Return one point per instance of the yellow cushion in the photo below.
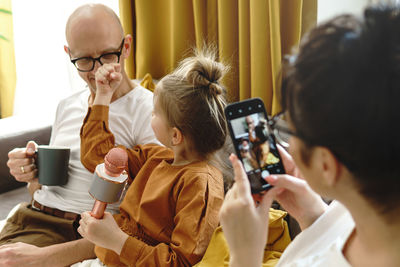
(217, 253)
(147, 82)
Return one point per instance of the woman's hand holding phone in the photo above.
(245, 225)
(245, 122)
(253, 141)
(294, 194)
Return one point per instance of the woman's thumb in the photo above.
(267, 200)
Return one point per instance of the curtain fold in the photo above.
(252, 36)
(127, 12)
(228, 38)
(7, 60)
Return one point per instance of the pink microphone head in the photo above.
(115, 162)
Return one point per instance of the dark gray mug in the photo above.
(52, 163)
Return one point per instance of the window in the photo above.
(39, 31)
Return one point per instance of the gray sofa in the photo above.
(12, 138)
(16, 132)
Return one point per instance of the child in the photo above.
(171, 208)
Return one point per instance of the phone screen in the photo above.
(254, 144)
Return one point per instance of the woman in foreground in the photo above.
(341, 97)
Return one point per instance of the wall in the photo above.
(330, 8)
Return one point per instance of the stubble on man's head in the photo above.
(86, 20)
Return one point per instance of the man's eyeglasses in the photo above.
(280, 129)
(86, 64)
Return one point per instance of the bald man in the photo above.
(47, 227)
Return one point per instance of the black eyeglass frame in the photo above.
(117, 53)
(276, 129)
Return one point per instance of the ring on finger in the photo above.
(22, 169)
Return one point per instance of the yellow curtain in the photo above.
(251, 35)
(7, 60)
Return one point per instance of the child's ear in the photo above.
(177, 136)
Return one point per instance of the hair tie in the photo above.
(216, 90)
(215, 82)
(347, 40)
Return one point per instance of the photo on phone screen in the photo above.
(254, 144)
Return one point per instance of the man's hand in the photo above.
(108, 78)
(104, 232)
(63, 254)
(21, 254)
(21, 162)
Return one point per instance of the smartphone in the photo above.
(254, 142)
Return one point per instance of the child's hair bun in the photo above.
(193, 100)
(205, 73)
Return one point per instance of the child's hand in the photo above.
(104, 232)
(108, 78)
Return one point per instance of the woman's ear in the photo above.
(331, 169)
(177, 137)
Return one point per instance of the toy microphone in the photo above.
(109, 181)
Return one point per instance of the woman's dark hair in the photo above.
(342, 92)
